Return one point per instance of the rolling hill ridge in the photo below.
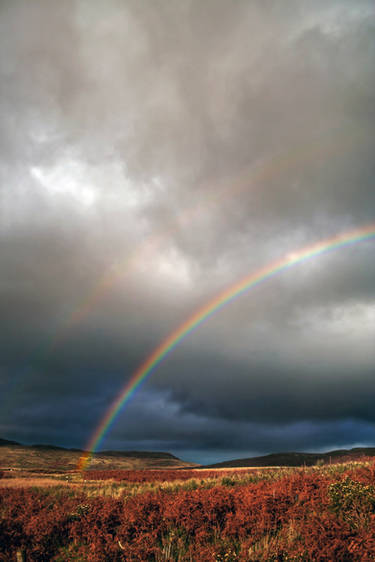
(297, 458)
(14, 455)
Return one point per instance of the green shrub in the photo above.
(352, 501)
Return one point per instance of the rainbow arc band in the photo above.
(213, 196)
(204, 313)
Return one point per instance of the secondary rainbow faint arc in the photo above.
(205, 312)
(217, 193)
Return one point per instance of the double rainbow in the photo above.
(204, 313)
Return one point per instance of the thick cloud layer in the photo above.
(153, 153)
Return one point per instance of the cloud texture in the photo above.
(153, 153)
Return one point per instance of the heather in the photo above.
(321, 513)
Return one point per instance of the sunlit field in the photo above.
(317, 513)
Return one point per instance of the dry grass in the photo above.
(116, 489)
(32, 482)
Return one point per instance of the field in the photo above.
(315, 513)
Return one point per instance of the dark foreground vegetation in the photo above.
(320, 513)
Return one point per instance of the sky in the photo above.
(152, 154)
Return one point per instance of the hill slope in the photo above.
(297, 459)
(50, 458)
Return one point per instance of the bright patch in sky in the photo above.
(66, 179)
(349, 319)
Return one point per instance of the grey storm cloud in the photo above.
(154, 153)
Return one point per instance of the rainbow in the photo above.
(211, 195)
(204, 313)
(214, 195)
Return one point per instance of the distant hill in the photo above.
(7, 443)
(297, 459)
(51, 448)
(51, 458)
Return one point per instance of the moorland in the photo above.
(155, 512)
